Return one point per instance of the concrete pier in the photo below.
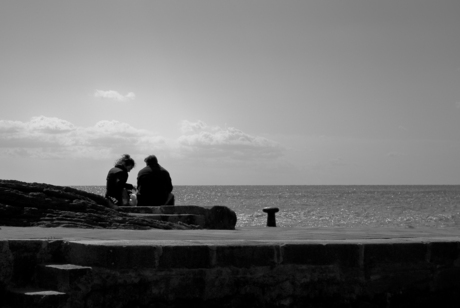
(250, 267)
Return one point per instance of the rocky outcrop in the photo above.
(35, 204)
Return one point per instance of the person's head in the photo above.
(151, 160)
(126, 161)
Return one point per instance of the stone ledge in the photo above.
(271, 273)
(215, 217)
(170, 254)
(189, 219)
(35, 298)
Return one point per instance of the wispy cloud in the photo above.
(194, 127)
(200, 139)
(53, 138)
(114, 95)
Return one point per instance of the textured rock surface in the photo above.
(36, 204)
(215, 217)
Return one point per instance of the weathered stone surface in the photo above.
(251, 274)
(189, 219)
(221, 217)
(6, 264)
(243, 256)
(255, 275)
(60, 277)
(319, 254)
(215, 217)
(36, 298)
(35, 204)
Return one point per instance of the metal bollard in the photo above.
(271, 219)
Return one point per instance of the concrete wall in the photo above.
(247, 274)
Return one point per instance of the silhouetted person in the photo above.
(117, 178)
(154, 185)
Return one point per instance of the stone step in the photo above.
(37, 298)
(189, 219)
(215, 216)
(166, 209)
(60, 277)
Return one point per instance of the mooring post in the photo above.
(271, 219)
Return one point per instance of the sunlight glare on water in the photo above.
(330, 206)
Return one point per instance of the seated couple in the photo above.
(154, 185)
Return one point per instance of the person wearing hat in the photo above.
(154, 185)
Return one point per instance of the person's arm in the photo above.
(120, 181)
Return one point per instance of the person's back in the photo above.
(116, 180)
(154, 185)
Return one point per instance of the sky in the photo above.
(318, 92)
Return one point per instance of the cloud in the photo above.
(45, 137)
(52, 138)
(10, 127)
(50, 125)
(457, 104)
(200, 139)
(38, 131)
(190, 127)
(114, 95)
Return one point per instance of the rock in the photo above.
(221, 217)
(214, 217)
(35, 204)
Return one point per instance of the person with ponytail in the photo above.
(116, 181)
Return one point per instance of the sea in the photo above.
(351, 206)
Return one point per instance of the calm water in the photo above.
(330, 206)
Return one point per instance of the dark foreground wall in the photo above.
(235, 274)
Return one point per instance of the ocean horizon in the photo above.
(406, 206)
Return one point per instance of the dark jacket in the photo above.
(116, 181)
(153, 186)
